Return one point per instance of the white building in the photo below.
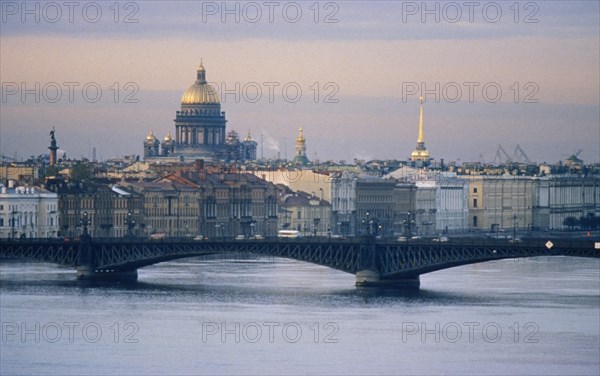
(572, 196)
(452, 205)
(424, 217)
(29, 212)
(442, 200)
(343, 203)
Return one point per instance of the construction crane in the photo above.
(519, 154)
(502, 156)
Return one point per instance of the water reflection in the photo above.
(174, 302)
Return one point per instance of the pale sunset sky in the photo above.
(492, 73)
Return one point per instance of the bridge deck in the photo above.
(387, 260)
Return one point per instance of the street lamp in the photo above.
(366, 223)
(370, 225)
(85, 222)
(408, 222)
(130, 222)
(12, 223)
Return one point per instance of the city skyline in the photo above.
(360, 77)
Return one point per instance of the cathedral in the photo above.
(199, 130)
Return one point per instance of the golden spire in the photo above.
(300, 136)
(420, 153)
(421, 138)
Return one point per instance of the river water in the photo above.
(538, 316)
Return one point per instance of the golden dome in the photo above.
(168, 136)
(150, 136)
(200, 92)
(300, 136)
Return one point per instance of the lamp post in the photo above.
(130, 222)
(408, 222)
(368, 223)
(12, 223)
(85, 222)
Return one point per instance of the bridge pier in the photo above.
(86, 273)
(367, 278)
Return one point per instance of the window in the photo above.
(474, 189)
(474, 202)
(475, 221)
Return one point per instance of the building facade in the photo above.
(375, 206)
(215, 205)
(28, 212)
(452, 206)
(422, 222)
(501, 202)
(572, 196)
(343, 203)
(304, 212)
(169, 208)
(105, 211)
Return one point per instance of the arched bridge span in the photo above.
(374, 262)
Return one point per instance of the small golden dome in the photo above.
(300, 137)
(150, 136)
(200, 92)
(168, 137)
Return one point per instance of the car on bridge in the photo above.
(158, 236)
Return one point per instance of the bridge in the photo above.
(372, 261)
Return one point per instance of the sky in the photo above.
(349, 73)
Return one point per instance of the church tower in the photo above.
(420, 155)
(151, 145)
(249, 148)
(300, 157)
